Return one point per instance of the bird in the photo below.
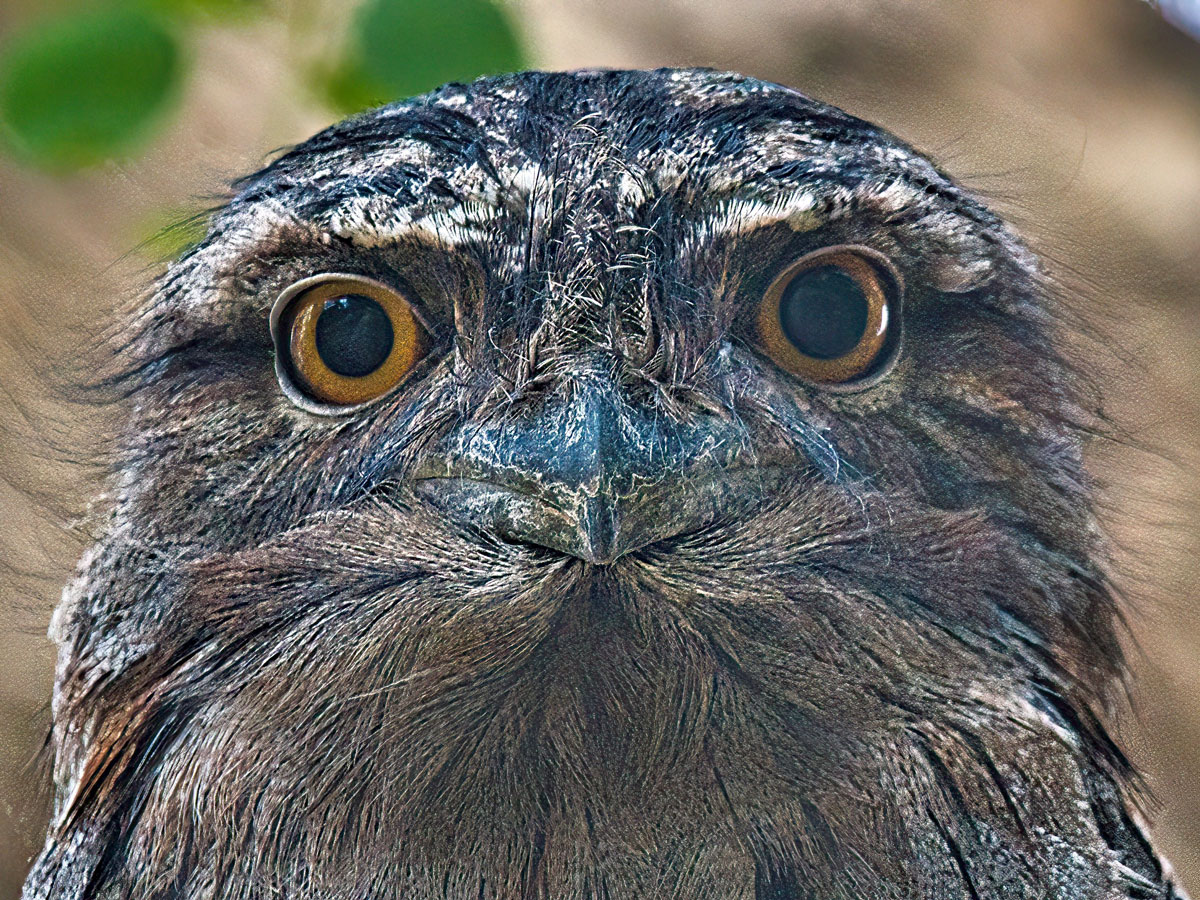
(598, 484)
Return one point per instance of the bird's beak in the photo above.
(582, 472)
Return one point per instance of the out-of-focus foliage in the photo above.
(93, 83)
(398, 49)
(76, 90)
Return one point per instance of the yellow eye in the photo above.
(344, 340)
(832, 317)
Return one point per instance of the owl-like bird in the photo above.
(597, 485)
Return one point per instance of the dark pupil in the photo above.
(823, 312)
(354, 335)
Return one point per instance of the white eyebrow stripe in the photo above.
(741, 215)
(364, 221)
(375, 222)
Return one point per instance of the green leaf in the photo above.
(79, 89)
(403, 47)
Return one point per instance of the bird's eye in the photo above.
(832, 317)
(344, 340)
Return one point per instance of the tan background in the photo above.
(1080, 119)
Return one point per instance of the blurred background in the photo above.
(1078, 119)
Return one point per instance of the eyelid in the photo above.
(279, 310)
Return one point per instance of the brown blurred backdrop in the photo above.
(1080, 119)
